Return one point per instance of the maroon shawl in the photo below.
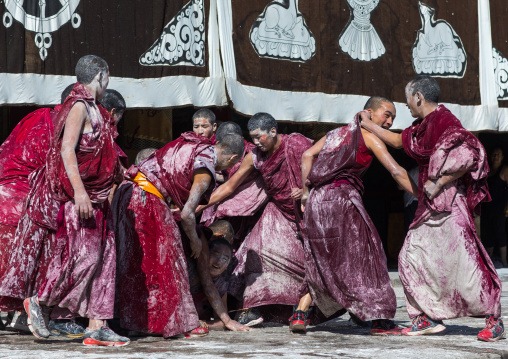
(22, 153)
(171, 168)
(339, 162)
(97, 163)
(420, 142)
(282, 171)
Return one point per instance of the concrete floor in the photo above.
(337, 338)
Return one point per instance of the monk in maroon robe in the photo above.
(70, 197)
(345, 261)
(153, 285)
(242, 208)
(444, 268)
(24, 152)
(270, 266)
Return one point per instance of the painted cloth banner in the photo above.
(499, 14)
(160, 47)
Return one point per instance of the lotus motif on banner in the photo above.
(438, 50)
(501, 74)
(42, 17)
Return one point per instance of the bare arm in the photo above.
(307, 161)
(432, 188)
(399, 174)
(211, 291)
(74, 125)
(229, 187)
(392, 139)
(200, 182)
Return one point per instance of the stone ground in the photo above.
(336, 338)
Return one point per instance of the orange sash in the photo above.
(146, 186)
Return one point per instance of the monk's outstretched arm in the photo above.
(225, 190)
(74, 125)
(307, 161)
(211, 292)
(398, 173)
(200, 182)
(392, 139)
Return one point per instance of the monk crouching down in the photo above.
(345, 262)
(152, 281)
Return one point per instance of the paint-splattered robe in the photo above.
(153, 294)
(270, 266)
(445, 271)
(345, 261)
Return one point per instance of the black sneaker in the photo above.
(357, 321)
(35, 320)
(385, 327)
(18, 321)
(250, 317)
(66, 328)
(104, 336)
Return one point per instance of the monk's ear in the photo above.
(273, 132)
(214, 127)
(419, 97)
(99, 78)
(112, 112)
(234, 158)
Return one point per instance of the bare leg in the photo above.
(94, 324)
(305, 302)
(502, 253)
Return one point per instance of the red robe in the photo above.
(242, 207)
(271, 259)
(72, 280)
(345, 261)
(444, 268)
(153, 292)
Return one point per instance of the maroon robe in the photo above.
(153, 292)
(242, 207)
(345, 261)
(444, 268)
(21, 153)
(50, 217)
(271, 259)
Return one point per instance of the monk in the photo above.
(345, 262)
(271, 259)
(243, 207)
(153, 284)
(204, 123)
(70, 197)
(444, 268)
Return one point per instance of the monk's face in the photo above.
(384, 115)
(220, 256)
(413, 102)
(497, 157)
(202, 126)
(264, 140)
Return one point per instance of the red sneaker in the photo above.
(422, 324)
(297, 322)
(493, 331)
(197, 332)
(384, 327)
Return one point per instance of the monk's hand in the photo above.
(431, 188)
(200, 208)
(195, 244)
(365, 119)
(296, 193)
(234, 326)
(83, 205)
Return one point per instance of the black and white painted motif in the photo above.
(182, 41)
(501, 74)
(280, 32)
(359, 39)
(42, 17)
(438, 50)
